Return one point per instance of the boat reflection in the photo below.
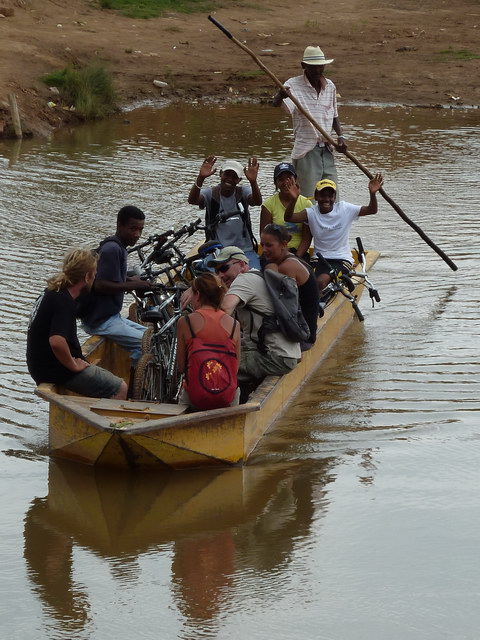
(214, 524)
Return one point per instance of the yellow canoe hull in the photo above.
(135, 434)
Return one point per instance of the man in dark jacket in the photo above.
(103, 316)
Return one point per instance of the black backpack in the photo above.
(288, 317)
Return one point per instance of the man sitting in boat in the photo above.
(249, 299)
(330, 222)
(102, 315)
(226, 205)
(53, 351)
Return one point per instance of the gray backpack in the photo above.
(288, 317)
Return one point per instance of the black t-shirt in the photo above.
(112, 265)
(52, 315)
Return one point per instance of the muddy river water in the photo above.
(358, 516)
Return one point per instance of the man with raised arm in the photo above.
(227, 204)
(312, 156)
(102, 317)
(330, 221)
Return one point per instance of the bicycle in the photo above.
(163, 249)
(156, 377)
(344, 282)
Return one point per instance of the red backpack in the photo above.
(211, 379)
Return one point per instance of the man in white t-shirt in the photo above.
(249, 299)
(330, 222)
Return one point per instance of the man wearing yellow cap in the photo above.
(312, 156)
(330, 222)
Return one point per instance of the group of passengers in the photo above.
(289, 220)
(92, 285)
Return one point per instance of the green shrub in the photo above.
(459, 54)
(89, 89)
(155, 8)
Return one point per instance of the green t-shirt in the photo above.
(276, 208)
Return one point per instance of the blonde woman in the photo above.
(53, 350)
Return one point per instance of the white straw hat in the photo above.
(314, 55)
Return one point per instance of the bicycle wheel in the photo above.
(134, 313)
(148, 379)
(147, 340)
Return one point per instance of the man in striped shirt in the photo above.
(312, 156)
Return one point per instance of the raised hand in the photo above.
(375, 183)
(251, 171)
(293, 190)
(207, 169)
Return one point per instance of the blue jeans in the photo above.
(123, 331)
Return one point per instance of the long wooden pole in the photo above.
(327, 137)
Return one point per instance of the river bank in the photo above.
(385, 51)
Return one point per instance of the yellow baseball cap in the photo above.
(325, 184)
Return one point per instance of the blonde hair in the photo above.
(76, 264)
(210, 289)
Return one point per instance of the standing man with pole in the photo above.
(312, 155)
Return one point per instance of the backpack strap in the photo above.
(190, 326)
(233, 329)
(245, 214)
(211, 213)
(113, 238)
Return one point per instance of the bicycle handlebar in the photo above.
(186, 229)
(324, 263)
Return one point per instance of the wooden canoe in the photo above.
(145, 434)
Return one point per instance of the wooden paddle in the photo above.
(327, 137)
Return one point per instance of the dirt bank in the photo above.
(385, 51)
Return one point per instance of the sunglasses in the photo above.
(224, 268)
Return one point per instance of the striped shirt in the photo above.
(322, 107)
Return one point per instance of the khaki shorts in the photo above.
(254, 366)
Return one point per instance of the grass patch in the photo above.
(154, 8)
(249, 74)
(173, 28)
(252, 5)
(459, 54)
(89, 89)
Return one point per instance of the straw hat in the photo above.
(314, 55)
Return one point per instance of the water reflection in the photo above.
(216, 526)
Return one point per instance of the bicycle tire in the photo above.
(358, 313)
(133, 313)
(147, 381)
(147, 340)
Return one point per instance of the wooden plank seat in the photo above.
(130, 409)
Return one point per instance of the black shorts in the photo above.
(338, 265)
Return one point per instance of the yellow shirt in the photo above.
(275, 207)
